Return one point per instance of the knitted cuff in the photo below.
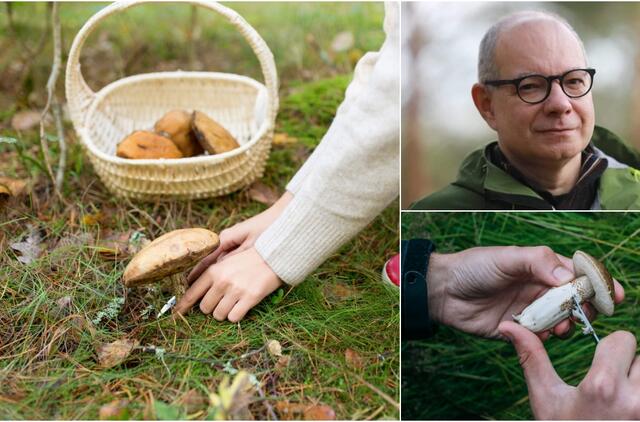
(302, 238)
(414, 266)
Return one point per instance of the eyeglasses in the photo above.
(534, 89)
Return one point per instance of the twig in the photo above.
(62, 161)
(153, 349)
(51, 84)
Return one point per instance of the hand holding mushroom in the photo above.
(476, 289)
(594, 284)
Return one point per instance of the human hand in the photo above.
(474, 290)
(241, 236)
(231, 287)
(608, 391)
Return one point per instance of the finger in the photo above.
(567, 262)
(224, 307)
(544, 335)
(545, 266)
(538, 371)
(614, 356)
(634, 372)
(206, 262)
(564, 329)
(193, 294)
(240, 309)
(618, 291)
(589, 311)
(211, 299)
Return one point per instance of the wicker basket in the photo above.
(245, 107)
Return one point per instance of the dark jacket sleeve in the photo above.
(414, 264)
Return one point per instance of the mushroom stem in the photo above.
(593, 284)
(555, 305)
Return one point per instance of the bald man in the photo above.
(534, 90)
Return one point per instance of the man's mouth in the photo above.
(556, 130)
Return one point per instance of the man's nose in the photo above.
(557, 102)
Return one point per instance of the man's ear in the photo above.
(482, 99)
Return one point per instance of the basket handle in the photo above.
(80, 96)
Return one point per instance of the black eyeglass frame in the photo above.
(516, 82)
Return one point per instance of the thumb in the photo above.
(538, 372)
(546, 266)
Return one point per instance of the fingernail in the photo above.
(562, 274)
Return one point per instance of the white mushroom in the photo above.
(593, 284)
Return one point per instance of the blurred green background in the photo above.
(310, 41)
(454, 375)
(440, 55)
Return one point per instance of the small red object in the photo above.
(391, 270)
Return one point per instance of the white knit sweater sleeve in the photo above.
(353, 174)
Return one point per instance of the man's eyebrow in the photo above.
(525, 74)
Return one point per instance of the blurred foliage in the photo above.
(170, 36)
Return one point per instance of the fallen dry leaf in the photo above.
(15, 187)
(337, 292)
(114, 411)
(284, 139)
(63, 303)
(74, 240)
(112, 354)
(274, 348)
(4, 192)
(114, 245)
(262, 193)
(25, 120)
(92, 219)
(319, 412)
(283, 362)
(353, 359)
(30, 249)
(297, 411)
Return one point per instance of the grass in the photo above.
(48, 353)
(457, 376)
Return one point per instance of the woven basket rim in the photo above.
(86, 139)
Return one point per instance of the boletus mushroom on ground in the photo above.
(169, 254)
(594, 284)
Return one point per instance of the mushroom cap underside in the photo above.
(601, 281)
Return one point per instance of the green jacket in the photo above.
(481, 185)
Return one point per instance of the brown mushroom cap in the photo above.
(600, 279)
(212, 136)
(171, 253)
(143, 144)
(176, 124)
